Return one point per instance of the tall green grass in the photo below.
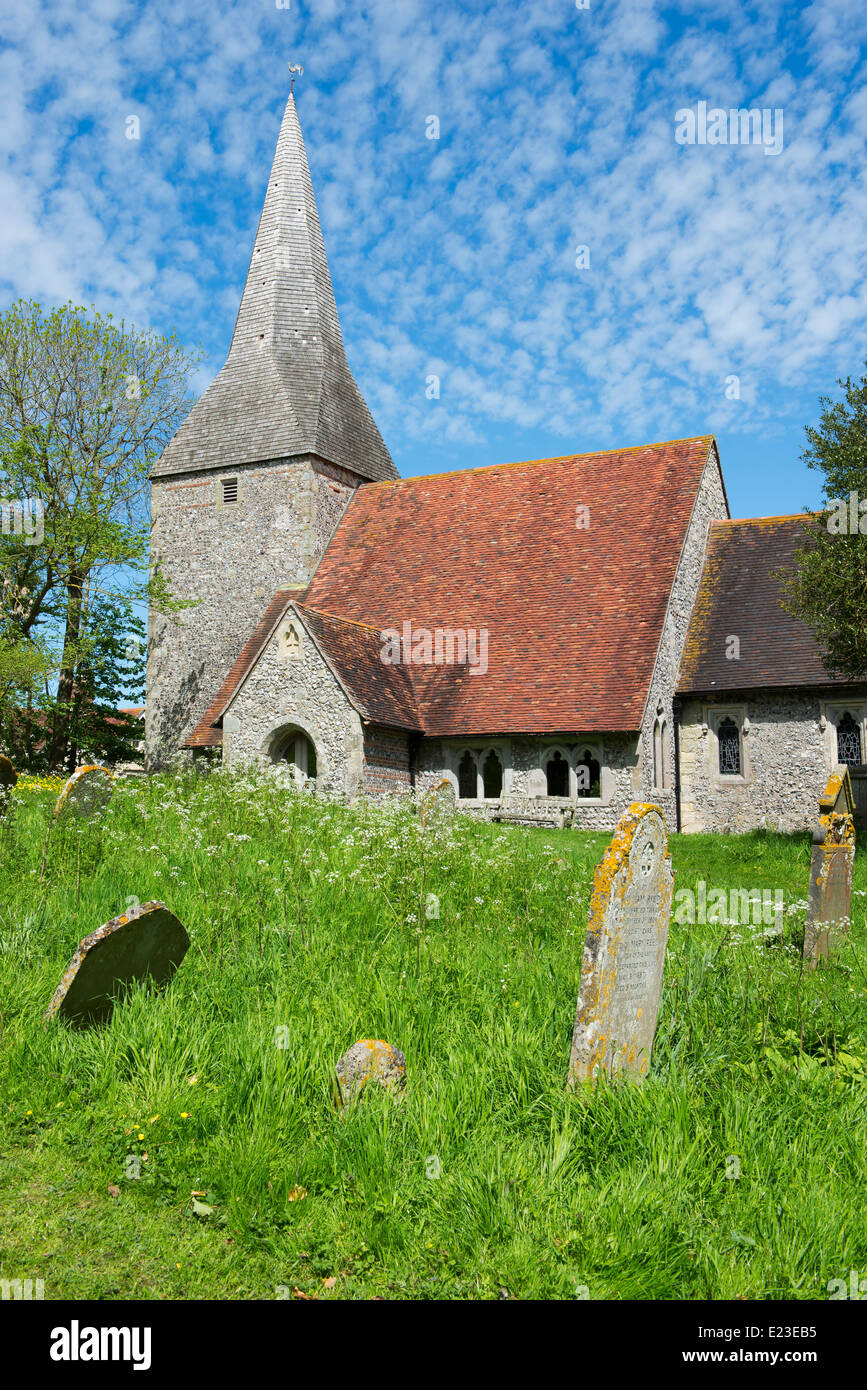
(735, 1169)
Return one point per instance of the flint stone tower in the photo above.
(249, 491)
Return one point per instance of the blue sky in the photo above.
(457, 256)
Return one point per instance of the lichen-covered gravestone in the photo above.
(148, 942)
(368, 1060)
(624, 954)
(438, 803)
(830, 897)
(88, 790)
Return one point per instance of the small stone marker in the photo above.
(624, 954)
(88, 790)
(830, 896)
(438, 802)
(147, 942)
(370, 1059)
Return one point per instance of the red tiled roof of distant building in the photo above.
(574, 616)
(740, 596)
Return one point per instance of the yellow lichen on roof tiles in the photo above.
(536, 463)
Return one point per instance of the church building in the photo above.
(555, 638)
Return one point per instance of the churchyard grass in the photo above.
(734, 1169)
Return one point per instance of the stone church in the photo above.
(556, 638)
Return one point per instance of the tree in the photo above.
(85, 408)
(828, 588)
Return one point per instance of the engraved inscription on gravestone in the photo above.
(624, 955)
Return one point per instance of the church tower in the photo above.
(248, 492)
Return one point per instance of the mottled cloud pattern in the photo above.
(573, 276)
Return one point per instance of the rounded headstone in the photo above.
(370, 1059)
(8, 775)
(438, 802)
(87, 791)
(148, 942)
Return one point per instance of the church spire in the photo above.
(286, 388)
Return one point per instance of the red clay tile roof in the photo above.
(574, 616)
(381, 693)
(205, 735)
(739, 596)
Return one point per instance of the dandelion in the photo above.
(185, 1115)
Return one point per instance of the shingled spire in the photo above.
(286, 388)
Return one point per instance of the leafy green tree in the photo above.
(828, 589)
(86, 406)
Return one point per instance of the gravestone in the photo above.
(537, 783)
(624, 954)
(370, 1059)
(438, 803)
(87, 791)
(830, 896)
(148, 942)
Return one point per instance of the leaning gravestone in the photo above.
(830, 896)
(148, 942)
(88, 790)
(438, 803)
(624, 954)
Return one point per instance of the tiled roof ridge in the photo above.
(536, 463)
(766, 520)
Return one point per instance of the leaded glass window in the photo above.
(729, 742)
(848, 740)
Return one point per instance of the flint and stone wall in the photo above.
(523, 759)
(231, 557)
(786, 759)
(286, 692)
(386, 762)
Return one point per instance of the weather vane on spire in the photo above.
(295, 70)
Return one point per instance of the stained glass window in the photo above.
(729, 742)
(848, 740)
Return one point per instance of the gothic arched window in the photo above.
(729, 742)
(467, 789)
(658, 764)
(492, 776)
(848, 740)
(557, 775)
(588, 774)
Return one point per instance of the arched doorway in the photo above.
(296, 748)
